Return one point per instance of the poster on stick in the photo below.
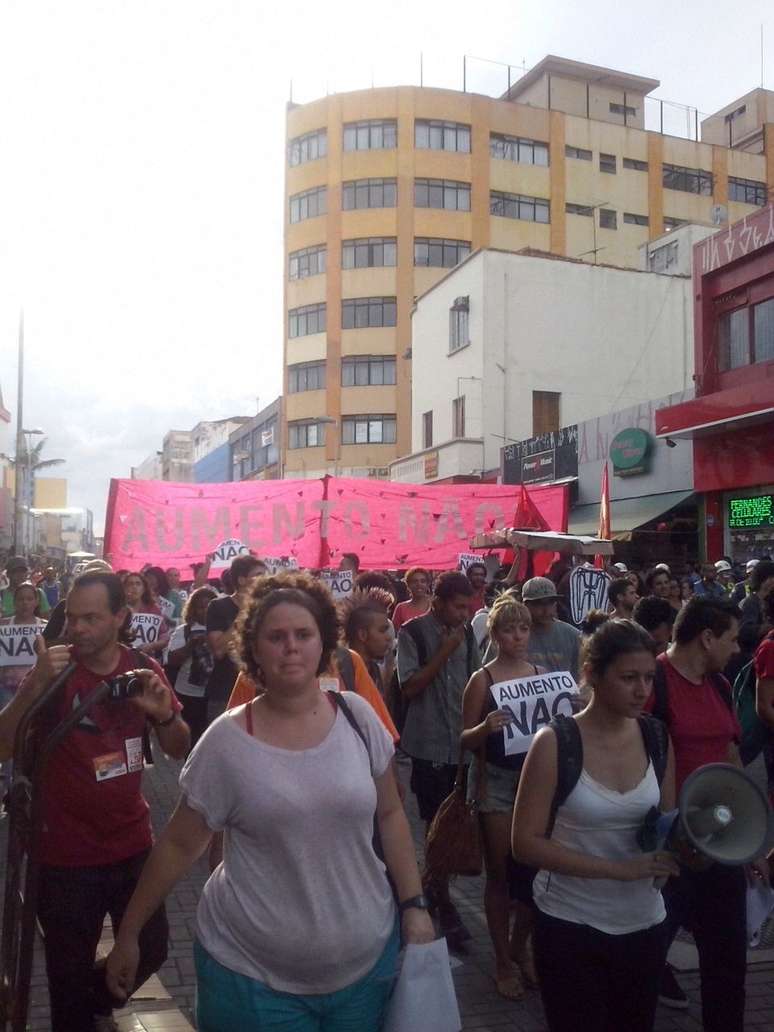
(280, 564)
(466, 559)
(340, 583)
(532, 703)
(227, 551)
(145, 628)
(17, 644)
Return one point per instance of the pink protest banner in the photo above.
(315, 521)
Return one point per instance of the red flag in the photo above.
(604, 516)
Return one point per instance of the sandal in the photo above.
(510, 986)
(526, 963)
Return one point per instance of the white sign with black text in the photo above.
(226, 551)
(281, 564)
(145, 628)
(466, 559)
(17, 644)
(533, 702)
(338, 582)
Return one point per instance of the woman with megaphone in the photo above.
(587, 785)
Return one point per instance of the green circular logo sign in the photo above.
(630, 452)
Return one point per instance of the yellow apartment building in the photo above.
(388, 188)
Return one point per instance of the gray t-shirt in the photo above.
(434, 717)
(557, 648)
(300, 903)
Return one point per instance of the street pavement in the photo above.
(482, 1009)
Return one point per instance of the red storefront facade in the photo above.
(731, 419)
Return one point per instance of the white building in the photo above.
(510, 345)
(149, 469)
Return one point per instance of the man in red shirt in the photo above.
(96, 828)
(694, 700)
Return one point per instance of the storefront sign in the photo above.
(431, 466)
(630, 452)
(538, 468)
(744, 513)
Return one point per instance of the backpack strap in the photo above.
(656, 739)
(349, 716)
(470, 644)
(346, 668)
(721, 687)
(660, 695)
(569, 763)
(418, 638)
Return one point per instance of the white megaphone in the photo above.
(722, 817)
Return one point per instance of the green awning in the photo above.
(626, 515)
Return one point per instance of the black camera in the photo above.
(125, 686)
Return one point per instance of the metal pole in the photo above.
(509, 82)
(17, 470)
(661, 106)
(696, 114)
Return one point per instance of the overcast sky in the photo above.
(142, 174)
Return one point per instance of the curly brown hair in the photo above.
(298, 589)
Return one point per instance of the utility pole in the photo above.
(18, 477)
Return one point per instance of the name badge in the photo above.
(110, 765)
(134, 754)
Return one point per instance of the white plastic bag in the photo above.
(424, 999)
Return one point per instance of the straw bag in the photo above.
(453, 844)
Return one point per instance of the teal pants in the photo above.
(227, 1001)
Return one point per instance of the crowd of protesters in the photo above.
(296, 796)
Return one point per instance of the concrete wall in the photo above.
(602, 338)
(215, 467)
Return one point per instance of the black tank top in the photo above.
(495, 744)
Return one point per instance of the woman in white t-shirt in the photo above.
(599, 937)
(298, 923)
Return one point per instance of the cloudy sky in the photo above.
(142, 171)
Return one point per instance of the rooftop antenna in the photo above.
(761, 55)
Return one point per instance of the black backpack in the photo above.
(569, 755)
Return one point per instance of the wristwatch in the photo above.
(414, 903)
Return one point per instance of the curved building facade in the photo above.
(386, 189)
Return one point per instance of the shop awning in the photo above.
(721, 412)
(626, 515)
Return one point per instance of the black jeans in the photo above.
(712, 906)
(195, 715)
(598, 982)
(72, 905)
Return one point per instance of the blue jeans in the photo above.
(227, 1001)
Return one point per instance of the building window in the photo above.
(308, 147)
(747, 191)
(607, 219)
(514, 148)
(763, 330)
(733, 330)
(365, 312)
(579, 209)
(367, 371)
(448, 136)
(369, 193)
(635, 164)
(545, 412)
(661, 259)
(690, 180)
(578, 153)
(635, 220)
(427, 429)
(622, 109)
(459, 314)
(369, 253)
(607, 163)
(368, 430)
(310, 261)
(306, 376)
(442, 193)
(305, 320)
(670, 223)
(376, 134)
(442, 254)
(514, 206)
(306, 435)
(458, 417)
(308, 204)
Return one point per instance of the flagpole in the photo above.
(604, 515)
(18, 485)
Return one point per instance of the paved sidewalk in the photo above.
(482, 1009)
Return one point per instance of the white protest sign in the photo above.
(146, 628)
(532, 702)
(338, 582)
(17, 644)
(279, 564)
(466, 559)
(226, 551)
(588, 590)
